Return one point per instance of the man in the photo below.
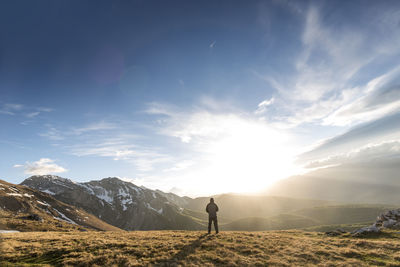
(212, 209)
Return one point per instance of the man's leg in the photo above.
(209, 224)
(216, 225)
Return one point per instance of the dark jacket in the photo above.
(212, 209)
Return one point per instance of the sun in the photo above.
(245, 157)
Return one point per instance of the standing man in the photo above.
(212, 209)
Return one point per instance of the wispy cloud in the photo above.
(212, 44)
(323, 87)
(386, 128)
(24, 110)
(110, 140)
(99, 126)
(40, 167)
(10, 108)
(262, 107)
(372, 151)
(32, 114)
(144, 158)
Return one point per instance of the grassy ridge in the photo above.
(194, 248)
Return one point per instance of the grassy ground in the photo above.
(194, 248)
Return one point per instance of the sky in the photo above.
(196, 97)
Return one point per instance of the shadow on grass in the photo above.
(189, 248)
(52, 257)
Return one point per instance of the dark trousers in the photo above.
(210, 220)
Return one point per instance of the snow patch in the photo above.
(65, 218)
(13, 189)
(124, 202)
(103, 194)
(43, 203)
(150, 207)
(14, 194)
(48, 192)
(88, 188)
(8, 231)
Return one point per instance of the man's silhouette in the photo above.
(212, 209)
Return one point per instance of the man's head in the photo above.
(211, 200)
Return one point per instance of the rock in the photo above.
(366, 230)
(34, 217)
(336, 232)
(332, 233)
(389, 223)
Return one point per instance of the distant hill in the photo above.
(343, 214)
(119, 203)
(25, 209)
(279, 222)
(332, 216)
(233, 206)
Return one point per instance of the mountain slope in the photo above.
(25, 209)
(117, 202)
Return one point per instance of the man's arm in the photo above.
(207, 208)
(217, 207)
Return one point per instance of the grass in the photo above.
(195, 248)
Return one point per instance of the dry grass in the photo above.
(194, 248)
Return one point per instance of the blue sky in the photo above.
(197, 97)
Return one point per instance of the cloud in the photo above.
(213, 44)
(179, 166)
(380, 97)
(372, 151)
(53, 134)
(262, 107)
(40, 167)
(386, 128)
(45, 109)
(10, 108)
(99, 126)
(32, 114)
(326, 84)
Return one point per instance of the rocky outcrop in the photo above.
(389, 219)
(373, 229)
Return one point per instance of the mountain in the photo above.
(25, 209)
(118, 203)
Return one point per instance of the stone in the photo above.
(389, 223)
(366, 230)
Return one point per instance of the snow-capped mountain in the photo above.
(26, 209)
(118, 203)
